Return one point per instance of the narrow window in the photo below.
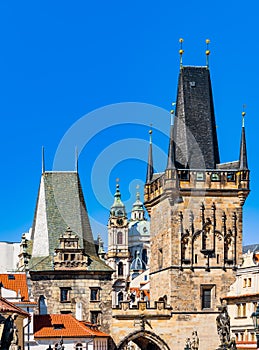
(94, 317)
(249, 282)
(195, 258)
(215, 177)
(120, 269)
(244, 310)
(119, 237)
(94, 294)
(206, 298)
(238, 310)
(200, 176)
(160, 258)
(120, 297)
(43, 310)
(65, 294)
(244, 282)
(217, 258)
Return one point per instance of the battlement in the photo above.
(198, 181)
(142, 309)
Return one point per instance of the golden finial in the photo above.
(243, 115)
(181, 51)
(207, 52)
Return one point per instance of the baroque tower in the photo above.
(118, 255)
(195, 207)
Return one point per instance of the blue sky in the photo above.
(62, 60)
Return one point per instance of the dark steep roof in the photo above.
(196, 145)
(60, 205)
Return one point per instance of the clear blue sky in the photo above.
(61, 60)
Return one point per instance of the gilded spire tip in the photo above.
(207, 52)
(181, 51)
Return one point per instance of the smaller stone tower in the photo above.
(118, 255)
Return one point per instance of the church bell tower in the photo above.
(118, 255)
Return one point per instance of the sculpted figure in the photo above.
(10, 333)
(195, 341)
(223, 326)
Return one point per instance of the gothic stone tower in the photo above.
(195, 208)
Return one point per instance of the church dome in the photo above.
(137, 263)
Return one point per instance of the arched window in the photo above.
(120, 269)
(79, 346)
(120, 297)
(43, 310)
(119, 237)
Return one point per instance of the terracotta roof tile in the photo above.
(63, 325)
(7, 307)
(16, 282)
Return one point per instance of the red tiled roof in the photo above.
(241, 296)
(63, 325)
(7, 307)
(16, 282)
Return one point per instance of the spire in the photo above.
(243, 165)
(171, 150)
(137, 212)
(42, 160)
(118, 208)
(195, 134)
(150, 169)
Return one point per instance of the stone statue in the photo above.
(60, 345)
(195, 341)
(188, 343)
(10, 333)
(223, 328)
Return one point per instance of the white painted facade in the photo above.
(242, 301)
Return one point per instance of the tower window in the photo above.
(65, 294)
(231, 176)
(94, 294)
(42, 305)
(206, 296)
(119, 237)
(160, 258)
(215, 177)
(200, 176)
(120, 269)
(94, 315)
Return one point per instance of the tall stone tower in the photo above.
(118, 255)
(195, 207)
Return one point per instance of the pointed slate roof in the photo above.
(194, 127)
(150, 168)
(60, 204)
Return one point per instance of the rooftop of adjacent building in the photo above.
(16, 282)
(63, 325)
